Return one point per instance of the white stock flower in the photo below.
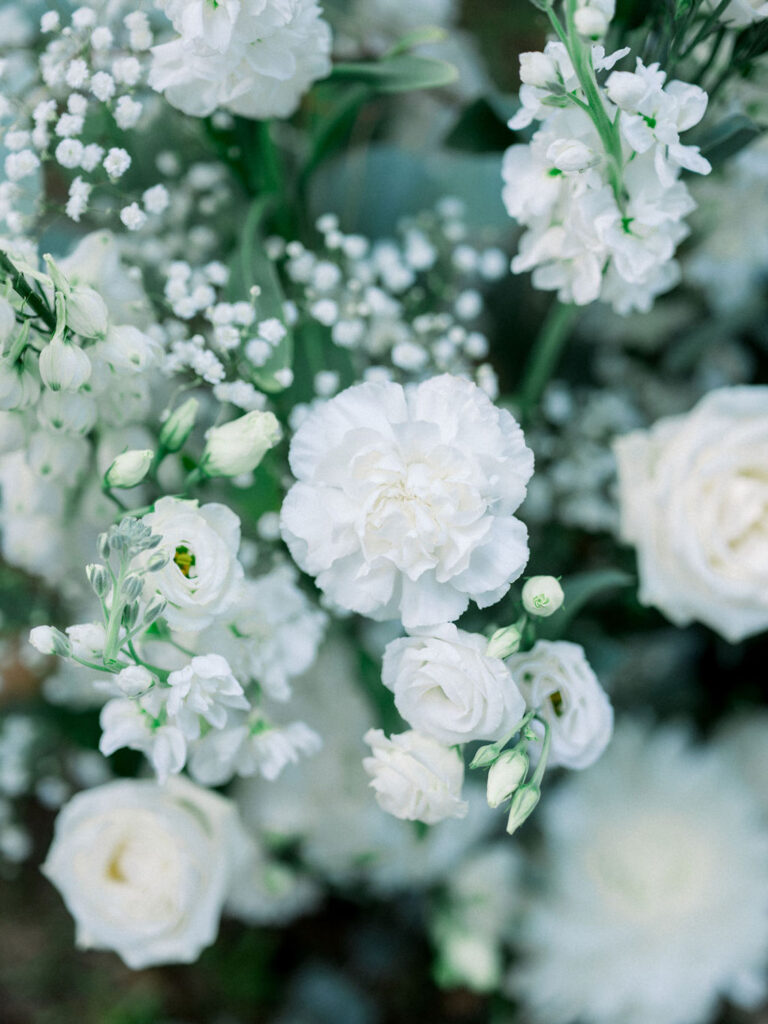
(129, 468)
(556, 678)
(201, 580)
(694, 503)
(245, 747)
(142, 725)
(145, 870)
(447, 687)
(415, 777)
(255, 58)
(205, 687)
(273, 634)
(653, 890)
(405, 500)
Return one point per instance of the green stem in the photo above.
(115, 617)
(546, 353)
(30, 296)
(541, 767)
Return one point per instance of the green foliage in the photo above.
(404, 72)
(580, 590)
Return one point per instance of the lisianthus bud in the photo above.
(64, 367)
(542, 596)
(506, 776)
(504, 642)
(238, 447)
(178, 426)
(86, 312)
(129, 469)
(48, 640)
(523, 804)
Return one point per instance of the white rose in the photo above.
(415, 777)
(556, 678)
(447, 687)
(694, 502)
(145, 870)
(405, 501)
(201, 579)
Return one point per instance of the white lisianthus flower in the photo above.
(556, 678)
(238, 447)
(255, 58)
(447, 687)
(405, 500)
(201, 580)
(653, 890)
(415, 777)
(145, 870)
(694, 502)
(205, 687)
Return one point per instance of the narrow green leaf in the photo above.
(403, 73)
(579, 591)
(424, 36)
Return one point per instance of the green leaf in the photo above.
(424, 36)
(729, 137)
(751, 43)
(253, 267)
(335, 128)
(580, 590)
(403, 73)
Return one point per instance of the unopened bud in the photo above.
(64, 367)
(103, 545)
(130, 615)
(49, 640)
(537, 69)
(523, 805)
(134, 680)
(238, 447)
(542, 596)
(504, 642)
(506, 776)
(129, 469)
(158, 561)
(155, 609)
(591, 22)
(178, 426)
(486, 755)
(132, 587)
(87, 312)
(99, 579)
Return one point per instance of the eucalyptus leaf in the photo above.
(402, 73)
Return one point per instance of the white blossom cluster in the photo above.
(598, 187)
(371, 295)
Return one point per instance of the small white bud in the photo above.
(134, 680)
(542, 596)
(178, 426)
(523, 805)
(64, 367)
(537, 69)
(506, 776)
(87, 312)
(129, 469)
(238, 447)
(98, 577)
(48, 640)
(504, 642)
(132, 587)
(591, 22)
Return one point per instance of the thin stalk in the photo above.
(546, 354)
(541, 767)
(30, 296)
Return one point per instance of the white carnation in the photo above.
(204, 688)
(145, 870)
(201, 580)
(654, 889)
(694, 500)
(415, 777)
(405, 500)
(255, 58)
(446, 686)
